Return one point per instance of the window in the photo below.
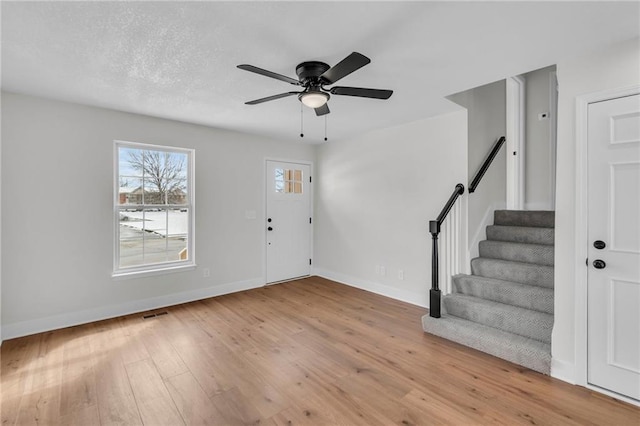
(153, 208)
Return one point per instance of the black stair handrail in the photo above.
(434, 228)
(487, 162)
(435, 294)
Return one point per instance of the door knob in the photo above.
(599, 244)
(269, 229)
(599, 264)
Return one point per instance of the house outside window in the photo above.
(153, 208)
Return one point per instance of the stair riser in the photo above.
(527, 352)
(519, 234)
(517, 272)
(521, 295)
(543, 219)
(527, 253)
(527, 323)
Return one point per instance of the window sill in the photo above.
(126, 275)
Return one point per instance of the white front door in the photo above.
(288, 222)
(614, 245)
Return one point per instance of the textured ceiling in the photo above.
(178, 60)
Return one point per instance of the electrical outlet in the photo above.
(206, 272)
(383, 270)
(400, 274)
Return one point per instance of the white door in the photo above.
(614, 245)
(288, 222)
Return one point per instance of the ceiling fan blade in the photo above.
(271, 74)
(361, 92)
(323, 110)
(345, 67)
(271, 98)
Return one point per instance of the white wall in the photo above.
(0, 219)
(57, 221)
(486, 109)
(539, 151)
(1, 338)
(375, 195)
(616, 67)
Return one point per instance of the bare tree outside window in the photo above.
(164, 175)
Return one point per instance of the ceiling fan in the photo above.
(313, 76)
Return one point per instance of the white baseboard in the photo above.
(562, 370)
(54, 322)
(382, 289)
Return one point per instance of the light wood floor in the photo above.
(305, 352)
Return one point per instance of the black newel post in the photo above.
(434, 293)
(434, 229)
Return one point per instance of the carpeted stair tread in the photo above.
(533, 218)
(521, 234)
(511, 293)
(528, 253)
(520, 350)
(513, 319)
(525, 273)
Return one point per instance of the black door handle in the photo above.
(599, 264)
(269, 229)
(599, 244)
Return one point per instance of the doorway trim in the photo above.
(515, 129)
(581, 228)
(553, 135)
(264, 210)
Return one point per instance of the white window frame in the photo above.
(163, 267)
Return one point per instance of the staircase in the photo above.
(505, 308)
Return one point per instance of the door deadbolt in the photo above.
(599, 244)
(599, 264)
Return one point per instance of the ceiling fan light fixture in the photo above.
(314, 99)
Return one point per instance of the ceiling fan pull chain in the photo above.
(325, 128)
(301, 123)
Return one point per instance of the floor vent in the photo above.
(157, 314)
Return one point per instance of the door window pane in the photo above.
(288, 181)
